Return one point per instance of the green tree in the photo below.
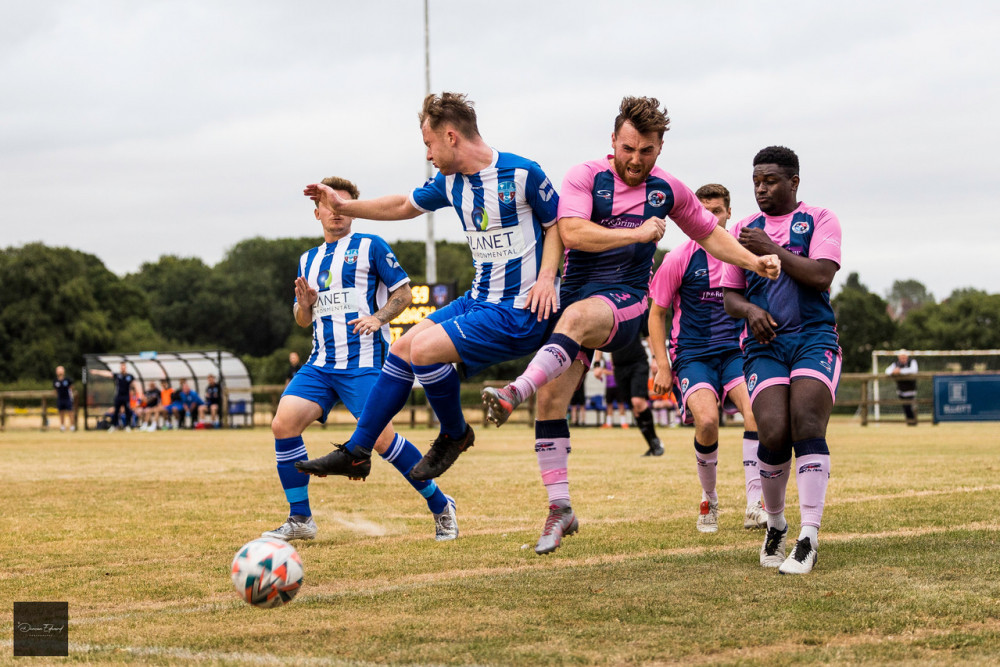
(59, 304)
(907, 295)
(969, 319)
(863, 324)
(253, 290)
(454, 262)
(176, 287)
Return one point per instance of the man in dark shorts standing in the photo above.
(631, 368)
(64, 398)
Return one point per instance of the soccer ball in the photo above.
(267, 572)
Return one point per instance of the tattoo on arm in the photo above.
(397, 303)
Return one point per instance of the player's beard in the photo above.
(630, 179)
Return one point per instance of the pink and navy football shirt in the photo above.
(808, 231)
(594, 191)
(689, 281)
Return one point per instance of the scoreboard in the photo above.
(427, 298)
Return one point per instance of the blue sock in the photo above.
(388, 396)
(295, 483)
(441, 384)
(403, 455)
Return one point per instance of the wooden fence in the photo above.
(36, 408)
(856, 391)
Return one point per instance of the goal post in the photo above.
(945, 361)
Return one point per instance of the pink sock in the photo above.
(551, 361)
(812, 476)
(751, 466)
(552, 449)
(773, 482)
(708, 463)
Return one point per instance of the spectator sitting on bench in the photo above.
(192, 405)
(170, 405)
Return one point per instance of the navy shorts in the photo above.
(626, 306)
(718, 373)
(791, 356)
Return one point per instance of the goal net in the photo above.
(928, 361)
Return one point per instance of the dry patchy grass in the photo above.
(137, 530)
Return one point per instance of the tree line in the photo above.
(58, 304)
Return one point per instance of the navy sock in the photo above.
(403, 455)
(388, 396)
(442, 384)
(296, 484)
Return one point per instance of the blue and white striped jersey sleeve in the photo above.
(387, 267)
(432, 195)
(541, 195)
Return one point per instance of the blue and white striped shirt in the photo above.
(353, 278)
(504, 210)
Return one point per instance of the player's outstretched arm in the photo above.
(759, 322)
(542, 298)
(580, 234)
(390, 207)
(398, 301)
(658, 346)
(721, 245)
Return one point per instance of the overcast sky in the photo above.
(132, 129)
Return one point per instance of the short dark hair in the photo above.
(452, 108)
(645, 115)
(781, 156)
(713, 191)
(338, 183)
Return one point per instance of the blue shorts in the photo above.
(488, 333)
(791, 356)
(718, 373)
(326, 388)
(64, 406)
(626, 306)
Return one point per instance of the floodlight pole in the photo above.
(431, 249)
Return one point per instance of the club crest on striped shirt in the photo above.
(507, 191)
(351, 256)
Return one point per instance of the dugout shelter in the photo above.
(193, 366)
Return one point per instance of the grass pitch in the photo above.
(137, 531)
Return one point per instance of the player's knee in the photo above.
(422, 351)
(281, 427)
(401, 348)
(573, 323)
(773, 437)
(807, 425)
